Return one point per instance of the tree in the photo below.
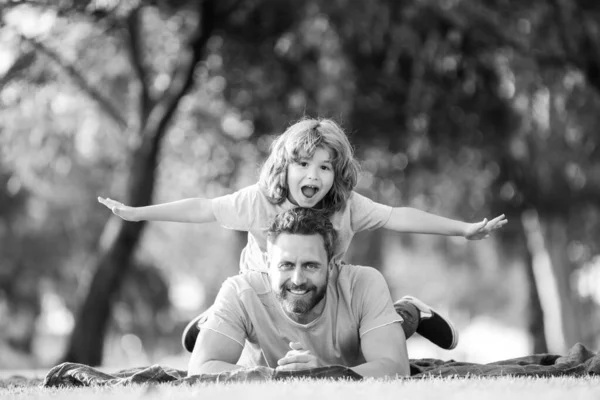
(431, 93)
(155, 113)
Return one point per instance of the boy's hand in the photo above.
(119, 209)
(297, 359)
(482, 230)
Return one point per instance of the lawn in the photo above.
(474, 388)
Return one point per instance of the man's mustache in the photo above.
(291, 286)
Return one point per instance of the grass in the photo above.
(445, 389)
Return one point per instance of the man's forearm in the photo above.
(412, 220)
(211, 367)
(383, 368)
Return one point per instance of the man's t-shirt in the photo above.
(249, 210)
(247, 311)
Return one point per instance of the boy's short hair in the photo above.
(304, 221)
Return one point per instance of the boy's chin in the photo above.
(314, 202)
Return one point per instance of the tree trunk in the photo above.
(535, 326)
(87, 339)
(86, 344)
(547, 245)
(556, 236)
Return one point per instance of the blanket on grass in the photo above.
(578, 362)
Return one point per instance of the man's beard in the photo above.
(301, 306)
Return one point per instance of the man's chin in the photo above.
(296, 307)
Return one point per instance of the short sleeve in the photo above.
(371, 297)
(237, 210)
(366, 213)
(227, 316)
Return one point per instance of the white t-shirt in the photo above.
(247, 311)
(250, 210)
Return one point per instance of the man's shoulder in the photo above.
(354, 273)
(251, 282)
(359, 281)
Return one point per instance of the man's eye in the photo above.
(312, 266)
(285, 266)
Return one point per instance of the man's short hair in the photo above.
(304, 221)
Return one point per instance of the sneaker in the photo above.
(191, 332)
(432, 326)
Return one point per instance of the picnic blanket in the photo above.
(579, 361)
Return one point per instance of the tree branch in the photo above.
(560, 12)
(183, 77)
(467, 18)
(80, 80)
(135, 54)
(228, 10)
(23, 62)
(77, 8)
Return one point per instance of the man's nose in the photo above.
(298, 277)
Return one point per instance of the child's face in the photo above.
(310, 178)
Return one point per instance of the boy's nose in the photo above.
(312, 173)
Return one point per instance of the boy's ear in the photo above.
(266, 258)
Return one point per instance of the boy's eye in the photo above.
(303, 163)
(325, 167)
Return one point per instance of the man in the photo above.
(306, 312)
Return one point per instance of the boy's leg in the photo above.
(419, 317)
(410, 314)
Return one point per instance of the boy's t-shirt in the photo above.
(247, 311)
(249, 210)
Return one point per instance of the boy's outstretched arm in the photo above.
(411, 220)
(195, 210)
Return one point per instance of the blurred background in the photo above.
(463, 108)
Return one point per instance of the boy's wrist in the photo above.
(464, 230)
(135, 214)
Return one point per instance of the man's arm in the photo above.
(222, 336)
(382, 339)
(385, 352)
(214, 352)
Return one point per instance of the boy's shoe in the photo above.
(432, 326)
(191, 332)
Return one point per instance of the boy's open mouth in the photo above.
(309, 191)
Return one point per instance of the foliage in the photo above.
(462, 108)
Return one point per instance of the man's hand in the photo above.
(297, 358)
(119, 209)
(482, 230)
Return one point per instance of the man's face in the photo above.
(299, 271)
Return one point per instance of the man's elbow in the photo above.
(211, 367)
(403, 368)
(396, 368)
(196, 369)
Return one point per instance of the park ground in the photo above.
(511, 388)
